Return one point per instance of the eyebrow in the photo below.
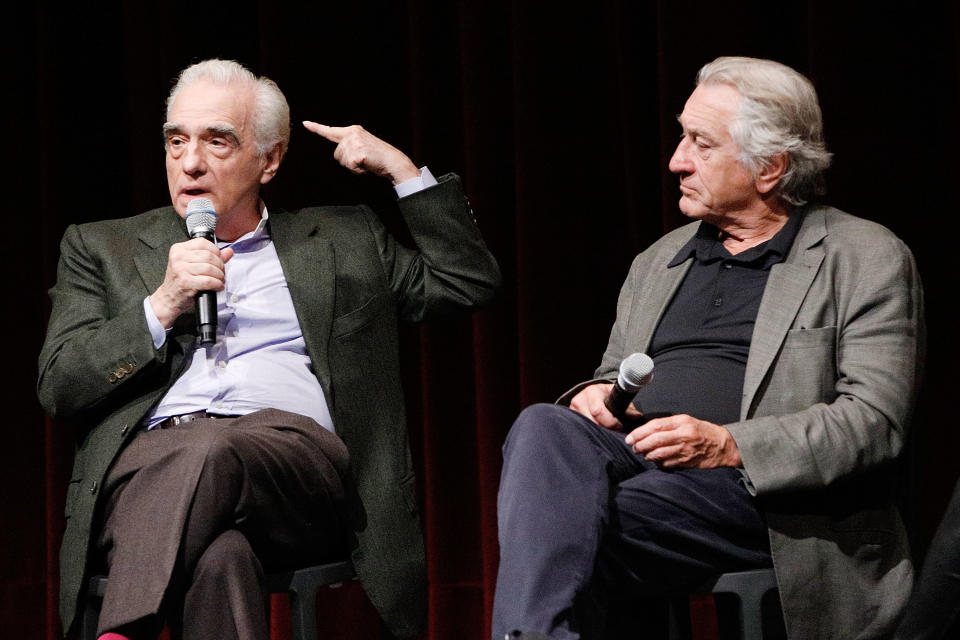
(694, 131)
(214, 130)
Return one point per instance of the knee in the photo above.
(544, 425)
(532, 423)
(229, 553)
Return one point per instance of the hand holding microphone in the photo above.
(607, 404)
(194, 267)
(202, 223)
(635, 371)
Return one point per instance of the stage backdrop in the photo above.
(560, 121)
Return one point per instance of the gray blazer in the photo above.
(350, 283)
(828, 392)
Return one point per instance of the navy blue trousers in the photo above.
(585, 521)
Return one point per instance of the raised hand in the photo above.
(362, 152)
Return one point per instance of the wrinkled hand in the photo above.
(684, 441)
(362, 152)
(192, 266)
(590, 403)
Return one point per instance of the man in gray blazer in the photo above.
(787, 337)
(283, 443)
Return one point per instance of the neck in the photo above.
(750, 228)
(232, 226)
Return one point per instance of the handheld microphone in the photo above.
(201, 223)
(635, 371)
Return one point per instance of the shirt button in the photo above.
(234, 298)
(222, 364)
(218, 404)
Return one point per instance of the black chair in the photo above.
(749, 587)
(302, 585)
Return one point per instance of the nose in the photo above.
(680, 161)
(193, 160)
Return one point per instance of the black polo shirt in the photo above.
(701, 344)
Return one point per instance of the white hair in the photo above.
(271, 118)
(779, 112)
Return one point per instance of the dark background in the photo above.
(560, 122)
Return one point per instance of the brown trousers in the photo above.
(194, 514)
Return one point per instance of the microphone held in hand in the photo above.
(635, 371)
(202, 223)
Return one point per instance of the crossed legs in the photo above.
(578, 511)
(193, 514)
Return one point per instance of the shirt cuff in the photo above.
(157, 332)
(413, 185)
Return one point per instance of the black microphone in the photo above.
(635, 371)
(201, 223)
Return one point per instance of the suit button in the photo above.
(93, 487)
(112, 377)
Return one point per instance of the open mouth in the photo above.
(194, 192)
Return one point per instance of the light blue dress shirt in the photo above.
(259, 360)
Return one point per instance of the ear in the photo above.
(771, 172)
(272, 163)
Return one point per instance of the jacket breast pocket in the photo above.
(805, 372)
(363, 315)
(821, 339)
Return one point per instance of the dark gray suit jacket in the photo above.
(350, 283)
(827, 397)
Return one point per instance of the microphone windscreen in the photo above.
(201, 217)
(635, 371)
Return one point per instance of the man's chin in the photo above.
(691, 209)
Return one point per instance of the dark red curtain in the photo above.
(560, 121)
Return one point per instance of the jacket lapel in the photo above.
(166, 229)
(785, 291)
(309, 266)
(661, 293)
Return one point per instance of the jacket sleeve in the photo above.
(451, 267)
(96, 347)
(838, 399)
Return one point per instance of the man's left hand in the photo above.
(362, 152)
(684, 441)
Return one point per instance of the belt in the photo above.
(173, 421)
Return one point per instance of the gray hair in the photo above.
(779, 112)
(271, 118)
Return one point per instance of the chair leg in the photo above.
(91, 615)
(750, 612)
(303, 614)
(678, 609)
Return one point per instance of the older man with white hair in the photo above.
(786, 337)
(278, 439)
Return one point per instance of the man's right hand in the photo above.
(192, 266)
(590, 403)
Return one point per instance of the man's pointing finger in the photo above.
(333, 134)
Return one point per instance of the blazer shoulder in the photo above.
(127, 227)
(329, 218)
(855, 233)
